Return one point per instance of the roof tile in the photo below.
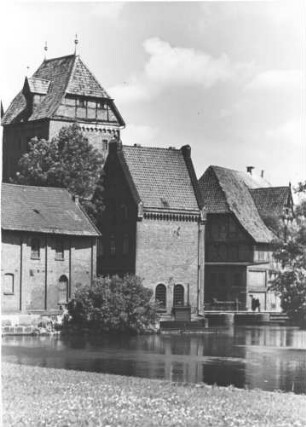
(44, 210)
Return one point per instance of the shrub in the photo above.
(112, 304)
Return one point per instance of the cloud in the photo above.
(176, 66)
(169, 66)
(276, 80)
(139, 134)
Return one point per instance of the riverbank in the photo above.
(34, 396)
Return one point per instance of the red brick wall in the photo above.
(79, 267)
(167, 252)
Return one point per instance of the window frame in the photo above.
(59, 254)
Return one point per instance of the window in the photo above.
(112, 245)
(62, 290)
(81, 103)
(178, 295)
(35, 248)
(104, 144)
(59, 249)
(8, 288)
(161, 295)
(125, 245)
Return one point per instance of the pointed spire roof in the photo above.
(60, 76)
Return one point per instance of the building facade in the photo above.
(62, 91)
(153, 225)
(241, 213)
(48, 248)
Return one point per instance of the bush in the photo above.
(112, 304)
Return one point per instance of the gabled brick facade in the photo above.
(153, 225)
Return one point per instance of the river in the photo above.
(266, 357)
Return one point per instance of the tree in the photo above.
(67, 161)
(290, 280)
(112, 304)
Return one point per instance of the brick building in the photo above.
(62, 91)
(242, 212)
(153, 224)
(48, 248)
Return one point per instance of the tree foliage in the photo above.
(290, 280)
(67, 161)
(113, 304)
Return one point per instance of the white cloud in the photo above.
(169, 65)
(139, 134)
(276, 79)
(129, 92)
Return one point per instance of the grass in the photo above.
(34, 396)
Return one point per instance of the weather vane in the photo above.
(76, 41)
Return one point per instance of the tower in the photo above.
(62, 91)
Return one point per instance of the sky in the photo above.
(227, 78)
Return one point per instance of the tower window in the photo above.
(125, 245)
(104, 144)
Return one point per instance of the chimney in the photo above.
(186, 150)
(262, 173)
(76, 200)
(114, 146)
(249, 169)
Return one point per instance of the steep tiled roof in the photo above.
(225, 190)
(67, 74)
(270, 202)
(44, 210)
(161, 177)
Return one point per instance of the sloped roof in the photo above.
(161, 178)
(225, 190)
(270, 202)
(43, 210)
(67, 74)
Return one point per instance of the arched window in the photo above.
(178, 295)
(161, 295)
(112, 245)
(35, 248)
(63, 290)
(124, 212)
(8, 288)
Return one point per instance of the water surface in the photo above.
(267, 357)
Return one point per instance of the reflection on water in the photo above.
(266, 357)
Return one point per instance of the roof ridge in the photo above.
(59, 57)
(151, 147)
(71, 74)
(94, 77)
(6, 184)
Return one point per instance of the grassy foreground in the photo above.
(34, 396)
